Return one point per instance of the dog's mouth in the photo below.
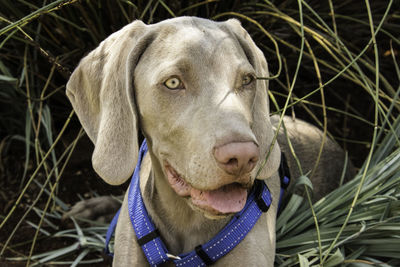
(227, 199)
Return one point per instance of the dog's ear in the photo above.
(262, 126)
(102, 94)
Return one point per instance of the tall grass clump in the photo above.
(333, 63)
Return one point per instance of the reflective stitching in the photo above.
(158, 250)
(238, 238)
(184, 262)
(150, 258)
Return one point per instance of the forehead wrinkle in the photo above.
(220, 57)
(207, 55)
(202, 41)
(205, 42)
(201, 36)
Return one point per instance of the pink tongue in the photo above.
(227, 199)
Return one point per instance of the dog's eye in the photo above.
(247, 79)
(174, 83)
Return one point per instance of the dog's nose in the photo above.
(237, 158)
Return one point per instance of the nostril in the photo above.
(254, 159)
(232, 162)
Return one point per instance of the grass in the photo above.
(333, 64)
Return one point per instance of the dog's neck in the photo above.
(165, 207)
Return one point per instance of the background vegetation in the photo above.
(334, 63)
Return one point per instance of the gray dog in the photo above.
(190, 86)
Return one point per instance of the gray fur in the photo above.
(117, 90)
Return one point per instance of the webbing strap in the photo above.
(232, 234)
(110, 232)
(203, 255)
(154, 249)
(284, 175)
(259, 201)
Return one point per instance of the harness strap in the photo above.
(154, 249)
(284, 175)
(262, 205)
(284, 172)
(259, 201)
(149, 237)
(203, 255)
(232, 234)
(110, 232)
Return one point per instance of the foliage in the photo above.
(334, 64)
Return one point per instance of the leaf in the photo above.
(303, 261)
(289, 210)
(304, 180)
(8, 79)
(80, 257)
(334, 260)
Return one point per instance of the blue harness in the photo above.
(148, 237)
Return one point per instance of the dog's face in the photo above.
(193, 87)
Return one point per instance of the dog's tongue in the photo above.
(227, 199)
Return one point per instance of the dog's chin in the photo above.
(218, 203)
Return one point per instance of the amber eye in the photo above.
(174, 83)
(247, 79)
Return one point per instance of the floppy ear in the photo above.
(102, 94)
(262, 126)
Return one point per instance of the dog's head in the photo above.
(190, 85)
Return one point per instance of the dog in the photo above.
(190, 86)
